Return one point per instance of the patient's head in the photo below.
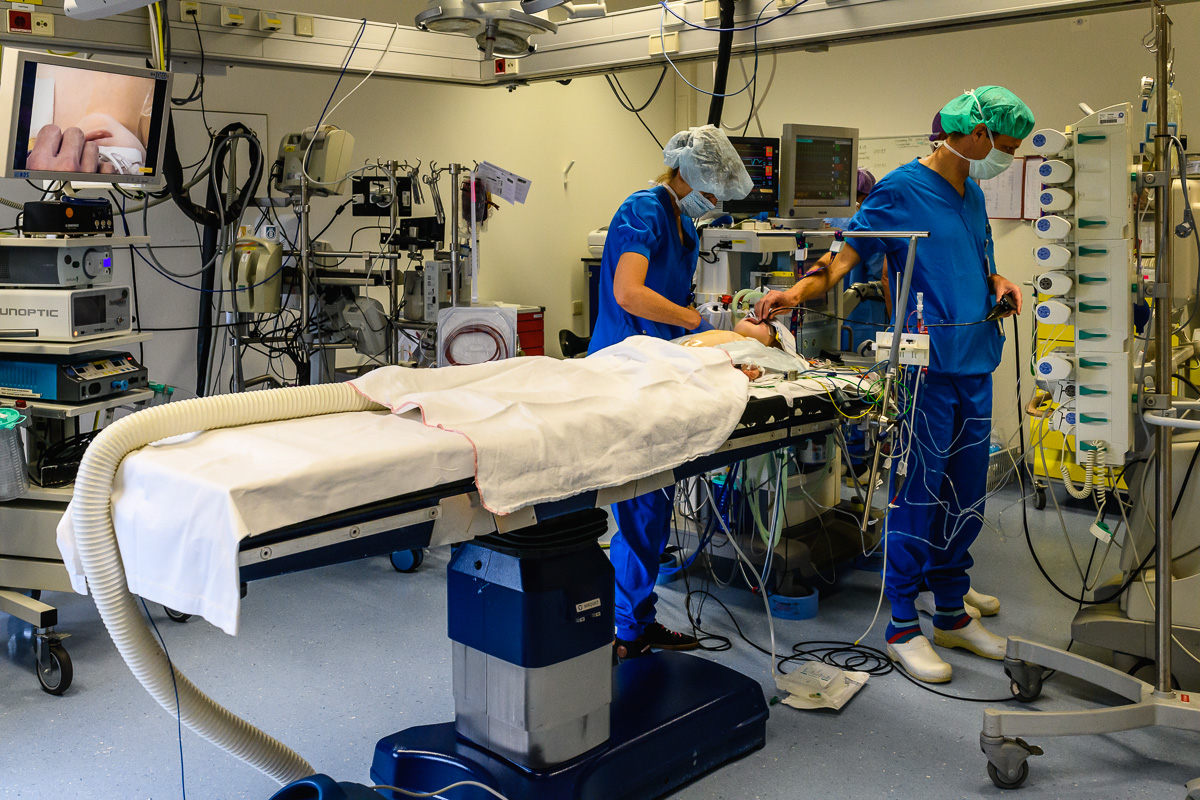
(759, 331)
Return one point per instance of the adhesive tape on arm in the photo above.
(1049, 142)
(1055, 368)
(1052, 227)
(1054, 283)
(1053, 312)
(1056, 200)
(1055, 172)
(1051, 256)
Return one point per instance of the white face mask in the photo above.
(996, 161)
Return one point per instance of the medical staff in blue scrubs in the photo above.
(938, 505)
(646, 289)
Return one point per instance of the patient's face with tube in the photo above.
(746, 329)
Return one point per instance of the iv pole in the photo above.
(1025, 662)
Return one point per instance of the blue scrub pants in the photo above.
(930, 533)
(644, 524)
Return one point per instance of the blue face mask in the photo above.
(693, 205)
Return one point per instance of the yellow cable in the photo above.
(838, 410)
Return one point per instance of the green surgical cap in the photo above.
(1003, 112)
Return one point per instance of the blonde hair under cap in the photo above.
(708, 162)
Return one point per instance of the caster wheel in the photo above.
(55, 677)
(408, 560)
(1039, 500)
(176, 616)
(1003, 782)
(1021, 694)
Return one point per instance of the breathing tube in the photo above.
(96, 542)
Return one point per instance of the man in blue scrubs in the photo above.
(944, 441)
(646, 289)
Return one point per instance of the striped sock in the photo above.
(900, 631)
(951, 619)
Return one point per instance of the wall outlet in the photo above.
(577, 308)
(269, 21)
(507, 66)
(304, 26)
(667, 43)
(232, 17)
(188, 9)
(19, 21)
(43, 23)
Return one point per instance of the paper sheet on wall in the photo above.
(502, 183)
(1032, 207)
(882, 154)
(1004, 193)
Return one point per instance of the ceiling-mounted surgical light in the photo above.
(500, 28)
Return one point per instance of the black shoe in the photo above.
(659, 637)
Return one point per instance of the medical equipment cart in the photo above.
(30, 562)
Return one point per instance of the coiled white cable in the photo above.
(96, 541)
(1095, 457)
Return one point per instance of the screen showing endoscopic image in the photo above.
(78, 120)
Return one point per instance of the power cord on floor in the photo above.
(439, 792)
(178, 718)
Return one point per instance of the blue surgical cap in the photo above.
(708, 161)
(998, 108)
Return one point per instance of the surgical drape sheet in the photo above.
(529, 430)
(544, 430)
(181, 506)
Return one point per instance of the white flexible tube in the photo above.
(97, 544)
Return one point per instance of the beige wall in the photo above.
(893, 88)
(530, 254)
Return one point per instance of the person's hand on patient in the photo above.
(71, 150)
(772, 303)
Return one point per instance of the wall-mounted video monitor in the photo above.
(72, 119)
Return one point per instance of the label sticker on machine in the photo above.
(588, 606)
(1112, 117)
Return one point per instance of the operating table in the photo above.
(514, 730)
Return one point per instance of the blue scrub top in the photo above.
(951, 267)
(645, 224)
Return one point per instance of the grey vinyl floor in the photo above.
(331, 660)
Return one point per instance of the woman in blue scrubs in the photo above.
(938, 508)
(646, 289)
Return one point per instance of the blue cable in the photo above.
(175, 686)
(361, 29)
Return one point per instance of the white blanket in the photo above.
(544, 430)
(181, 506)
